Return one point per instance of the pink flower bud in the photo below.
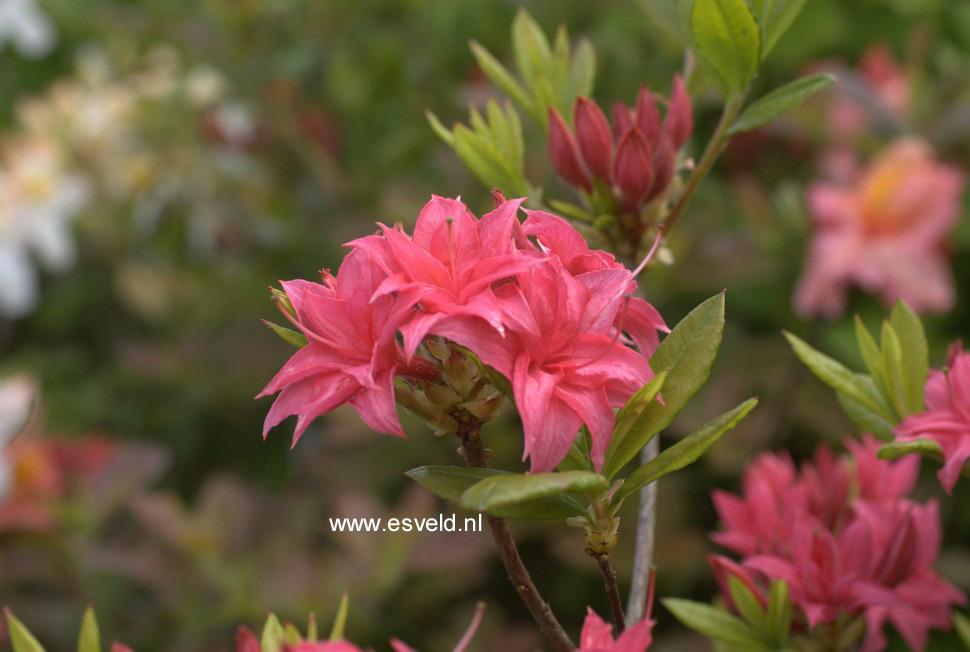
(564, 152)
(648, 116)
(622, 120)
(664, 163)
(898, 556)
(246, 641)
(679, 121)
(633, 166)
(593, 134)
(725, 568)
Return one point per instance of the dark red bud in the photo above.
(664, 163)
(633, 166)
(593, 135)
(899, 557)
(648, 116)
(564, 152)
(622, 120)
(679, 121)
(497, 197)
(246, 641)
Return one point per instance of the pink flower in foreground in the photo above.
(559, 351)
(883, 232)
(597, 636)
(351, 354)
(947, 417)
(842, 536)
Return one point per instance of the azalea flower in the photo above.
(351, 354)
(841, 534)
(559, 351)
(883, 232)
(449, 264)
(947, 417)
(597, 636)
(26, 27)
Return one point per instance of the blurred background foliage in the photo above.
(226, 144)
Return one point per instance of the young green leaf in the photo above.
(871, 356)
(714, 623)
(915, 353)
(439, 129)
(688, 352)
(502, 78)
(779, 612)
(89, 639)
(834, 374)
(289, 336)
(685, 451)
(530, 47)
(775, 17)
(747, 604)
(311, 628)
(487, 161)
(728, 39)
(340, 620)
(779, 101)
(450, 482)
(962, 626)
(896, 449)
(578, 457)
(272, 637)
(291, 635)
(892, 362)
(513, 489)
(582, 72)
(629, 414)
(20, 637)
(866, 419)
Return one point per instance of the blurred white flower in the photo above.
(38, 200)
(26, 28)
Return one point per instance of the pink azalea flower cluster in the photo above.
(637, 155)
(841, 534)
(597, 636)
(530, 299)
(883, 232)
(947, 417)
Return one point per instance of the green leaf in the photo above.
(857, 387)
(272, 637)
(775, 17)
(530, 47)
(779, 101)
(962, 626)
(684, 451)
(89, 639)
(892, 361)
(514, 489)
(779, 611)
(340, 621)
(20, 637)
(291, 635)
(866, 419)
(573, 211)
(582, 72)
(628, 415)
(915, 352)
(578, 457)
(714, 623)
(747, 604)
(896, 449)
(502, 78)
(486, 161)
(440, 130)
(727, 38)
(311, 628)
(450, 482)
(872, 356)
(688, 352)
(287, 335)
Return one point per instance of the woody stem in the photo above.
(474, 453)
(612, 591)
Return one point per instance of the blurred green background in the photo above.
(223, 145)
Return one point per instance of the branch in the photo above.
(475, 455)
(612, 592)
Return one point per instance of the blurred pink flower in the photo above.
(947, 417)
(883, 232)
(597, 636)
(351, 354)
(843, 537)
